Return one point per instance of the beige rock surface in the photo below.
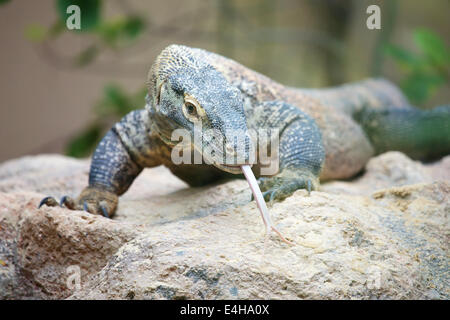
(383, 235)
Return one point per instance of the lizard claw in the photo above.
(98, 201)
(68, 202)
(48, 201)
(95, 208)
(279, 193)
(62, 201)
(283, 185)
(92, 200)
(266, 195)
(85, 206)
(272, 197)
(104, 211)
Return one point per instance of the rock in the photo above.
(39, 245)
(382, 236)
(389, 170)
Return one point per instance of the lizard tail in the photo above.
(421, 134)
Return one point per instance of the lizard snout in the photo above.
(230, 149)
(239, 150)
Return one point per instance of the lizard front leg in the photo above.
(301, 153)
(118, 159)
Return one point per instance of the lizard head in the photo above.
(200, 102)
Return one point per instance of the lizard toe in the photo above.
(309, 186)
(281, 186)
(98, 201)
(104, 211)
(68, 202)
(48, 201)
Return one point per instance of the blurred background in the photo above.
(61, 90)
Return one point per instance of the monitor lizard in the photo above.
(324, 134)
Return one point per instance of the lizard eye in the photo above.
(191, 110)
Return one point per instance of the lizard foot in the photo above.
(286, 183)
(92, 200)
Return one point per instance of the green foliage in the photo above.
(114, 104)
(114, 33)
(4, 1)
(90, 12)
(35, 33)
(82, 145)
(433, 47)
(55, 30)
(425, 72)
(117, 103)
(86, 56)
(121, 31)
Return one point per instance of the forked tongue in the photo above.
(248, 173)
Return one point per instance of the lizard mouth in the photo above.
(231, 168)
(235, 169)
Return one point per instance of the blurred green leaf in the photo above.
(90, 12)
(4, 1)
(117, 102)
(403, 57)
(114, 104)
(56, 29)
(432, 46)
(134, 26)
(139, 97)
(425, 72)
(121, 30)
(35, 33)
(418, 86)
(87, 56)
(83, 144)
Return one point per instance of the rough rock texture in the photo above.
(383, 235)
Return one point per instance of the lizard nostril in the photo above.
(229, 148)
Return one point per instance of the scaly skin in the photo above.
(324, 133)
